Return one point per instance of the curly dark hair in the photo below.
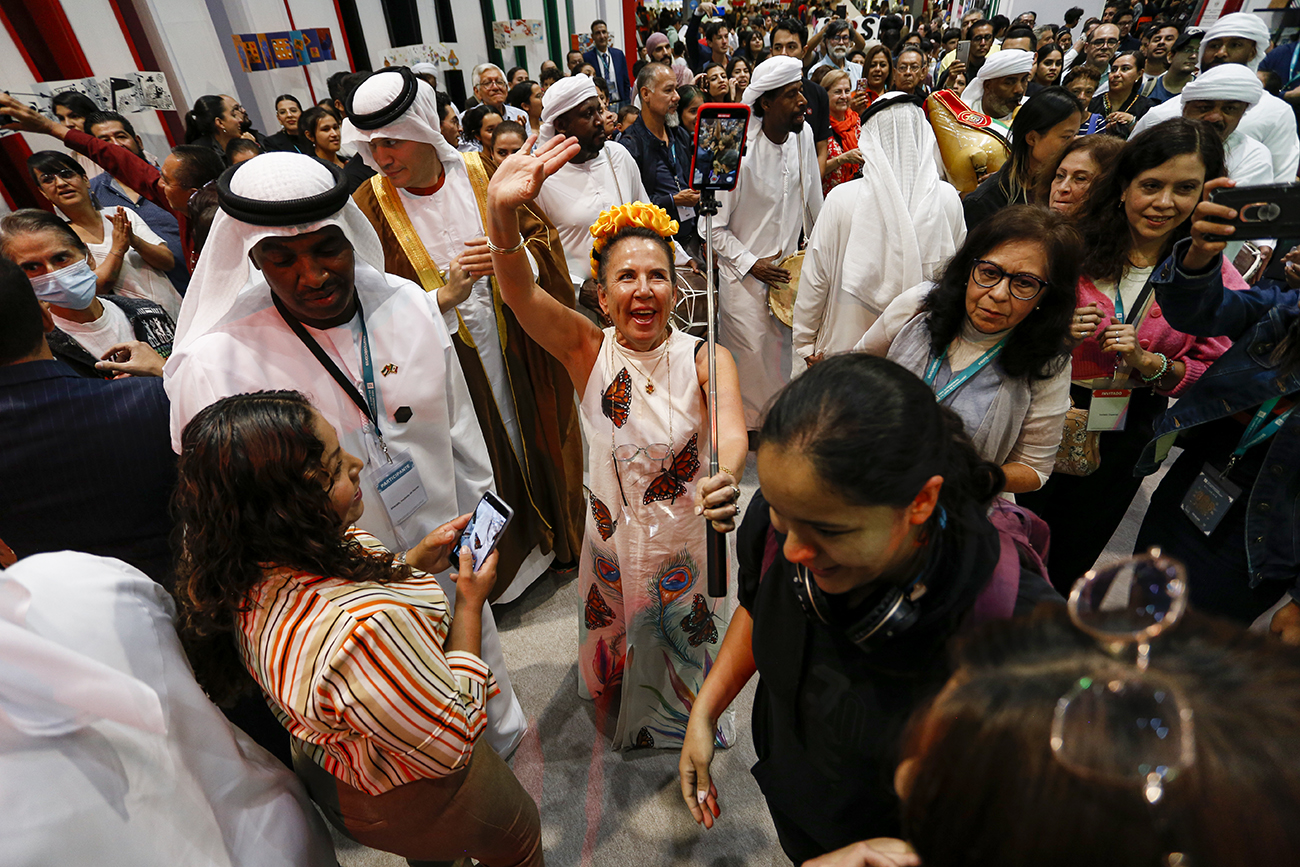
(1037, 349)
(1106, 235)
(253, 495)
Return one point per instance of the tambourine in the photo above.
(781, 296)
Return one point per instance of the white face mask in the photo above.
(72, 287)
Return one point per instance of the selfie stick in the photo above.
(717, 542)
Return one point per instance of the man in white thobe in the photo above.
(320, 261)
(999, 88)
(110, 753)
(603, 175)
(852, 269)
(393, 124)
(1242, 38)
(779, 195)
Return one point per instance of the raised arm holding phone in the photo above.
(1227, 506)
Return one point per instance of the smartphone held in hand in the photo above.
(491, 517)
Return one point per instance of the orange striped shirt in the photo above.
(358, 674)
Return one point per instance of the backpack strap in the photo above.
(1025, 539)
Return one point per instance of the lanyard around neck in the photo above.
(1257, 431)
(369, 406)
(960, 379)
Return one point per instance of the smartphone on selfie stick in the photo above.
(719, 144)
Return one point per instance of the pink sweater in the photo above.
(1155, 334)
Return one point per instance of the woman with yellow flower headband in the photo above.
(647, 622)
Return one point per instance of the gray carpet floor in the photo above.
(601, 808)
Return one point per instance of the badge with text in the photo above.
(1109, 409)
(399, 486)
(1208, 499)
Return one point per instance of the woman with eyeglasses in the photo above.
(1130, 221)
(288, 111)
(868, 547)
(990, 337)
(130, 260)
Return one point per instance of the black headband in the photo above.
(288, 212)
(390, 113)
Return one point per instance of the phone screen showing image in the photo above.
(484, 530)
(719, 142)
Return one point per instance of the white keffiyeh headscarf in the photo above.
(1000, 64)
(563, 96)
(905, 193)
(274, 179)
(1245, 25)
(1225, 81)
(771, 74)
(419, 122)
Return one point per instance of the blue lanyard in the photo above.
(370, 405)
(959, 379)
(1257, 431)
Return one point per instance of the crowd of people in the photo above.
(973, 286)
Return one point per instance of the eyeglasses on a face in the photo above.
(48, 178)
(1023, 286)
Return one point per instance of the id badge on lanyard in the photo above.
(1211, 495)
(1108, 411)
(392, 472)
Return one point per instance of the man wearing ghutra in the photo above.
(321, 317)
(999, 88)
(779, 195)
(1242, 38)
(426, 203)
(603, 175)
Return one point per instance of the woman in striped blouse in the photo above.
(381, 686)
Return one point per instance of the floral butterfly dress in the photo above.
(647, 622)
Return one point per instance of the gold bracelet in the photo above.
(507, 251)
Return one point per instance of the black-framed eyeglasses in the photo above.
(987, 37)
(1106, 43)
(1024, 287)
(63, 174)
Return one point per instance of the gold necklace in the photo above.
(647, 377)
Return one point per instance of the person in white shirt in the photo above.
(839, 39)
(320, 316)
(1242, 38)
(426, 202)
(491, 88)
(130, 259)
(86, 326)
(963, 335)
(851, 269)
(1222, 97)
(110, 753)
(999, 87)
(778, 197)
(602, 175)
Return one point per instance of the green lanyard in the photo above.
(1257, 431)
(960, 379)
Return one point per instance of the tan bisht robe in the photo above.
(546, 493)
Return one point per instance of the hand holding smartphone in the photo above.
(491, 517)
(963, 52)
(1263, 211)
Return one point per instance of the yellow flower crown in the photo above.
(611, 221)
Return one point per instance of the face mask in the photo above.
(72, 287)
